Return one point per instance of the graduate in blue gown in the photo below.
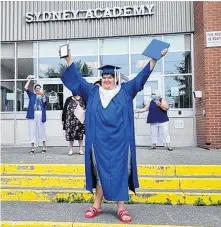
(110, 152)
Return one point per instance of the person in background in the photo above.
(98, 83)
(36, 114)
(158, 119)
(74, 129)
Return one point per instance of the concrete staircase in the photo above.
(159, 184)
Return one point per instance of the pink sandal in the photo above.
(93, 212)
(122, 214)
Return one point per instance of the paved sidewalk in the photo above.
(160, 156)
(142, 214)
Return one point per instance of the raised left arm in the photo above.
(135, 85)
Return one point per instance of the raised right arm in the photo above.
(29, 92)
(73, 80)
(27, 84)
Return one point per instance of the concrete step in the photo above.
(166, 197)
(78, 169)
(145, 182)
(30, 214)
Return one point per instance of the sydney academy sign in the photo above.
(98, 13)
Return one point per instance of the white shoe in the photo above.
(81, 152)
(70, 152)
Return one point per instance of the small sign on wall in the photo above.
(213, 39)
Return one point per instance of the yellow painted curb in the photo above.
(198, 170)
(75, 224)
(66, 169)
(79, 182)
(84, 196)
(78, 169)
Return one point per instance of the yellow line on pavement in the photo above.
(76, 224)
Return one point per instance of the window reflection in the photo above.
(178, 42)
(138, 62)
(84, 47)
(27, 60)
(7, 96)
(178, 91)
(178, 63)
(22, 97)
(139, 44)
(55, 95)
(87, 65)
(117, 60)
(50, 67)
(144, 96)
(8, 61)
(50, 64)
(114, 46)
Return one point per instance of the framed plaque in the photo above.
(64, 51)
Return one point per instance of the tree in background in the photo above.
(184, 83)
(82, 67)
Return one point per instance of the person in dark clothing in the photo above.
(72, 124)
(158, 119)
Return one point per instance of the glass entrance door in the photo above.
(54, 89)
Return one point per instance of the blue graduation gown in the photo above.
(110, 132)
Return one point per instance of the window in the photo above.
(85, 55)
(7, 96)
(87, 65)
(114, 46)
(7, 61)
(21, 95)
(50, 64)
(26, 60)
(42, 60)
(115, 52)
(117, 60)
(144, 96)
(178, 91)
(178, 59)
(139, 61)
(178, 63)
(55, 95)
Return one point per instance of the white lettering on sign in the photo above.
(213, 39)
(98, 13)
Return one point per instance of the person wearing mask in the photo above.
(36, 115)
(158, 119)
(74, 127)
(110, 141)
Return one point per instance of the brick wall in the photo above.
(207, 70)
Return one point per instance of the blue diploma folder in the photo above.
(155, 48)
